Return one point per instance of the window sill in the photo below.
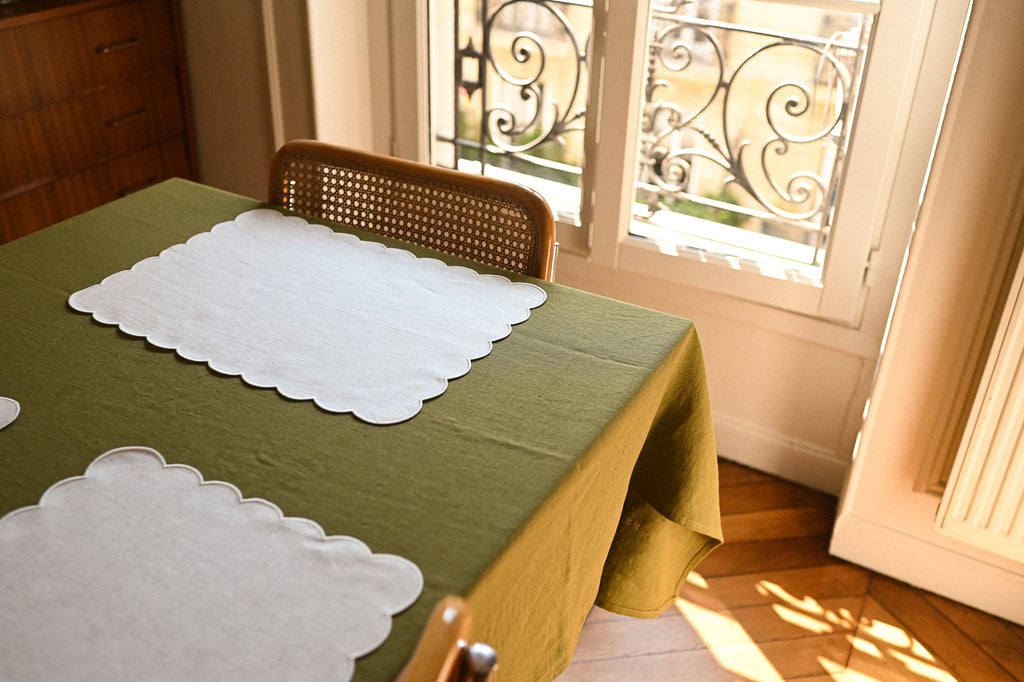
(720, 273)
(770, 256)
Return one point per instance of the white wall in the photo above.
(350, 81)
(237, 126)
(787, 392)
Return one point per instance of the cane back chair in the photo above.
(480, 218)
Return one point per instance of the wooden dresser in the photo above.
(93, 105)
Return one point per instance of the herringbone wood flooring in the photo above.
(771, 604)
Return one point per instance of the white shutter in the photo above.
(983, 503)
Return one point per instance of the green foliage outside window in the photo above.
(705, 212)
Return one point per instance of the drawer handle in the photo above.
(120, 121)
(136, 188)
(114, 47)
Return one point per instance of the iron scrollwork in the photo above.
(521, 76)
(677, 138)
(525, 100)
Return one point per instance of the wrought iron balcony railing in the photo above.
(743, 123)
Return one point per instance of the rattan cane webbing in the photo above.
(479, 224)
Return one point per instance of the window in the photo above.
(746, 116)
(513, 102)
(717, 143)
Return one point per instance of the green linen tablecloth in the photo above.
(573, 465)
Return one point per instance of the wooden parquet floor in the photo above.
(771, 604)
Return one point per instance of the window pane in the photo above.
(509, 90)
(747, 112)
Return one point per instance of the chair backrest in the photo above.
(476, 217)
(442, 654)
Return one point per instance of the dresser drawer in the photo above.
(52, 60)
(71, 135)
(93, 104)
(69, 196)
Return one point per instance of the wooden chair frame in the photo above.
(476, 217)
(443, 654)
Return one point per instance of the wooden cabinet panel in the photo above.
(25, 213)
(114, 122)
(43, 206)
(67, 56)
(122, 41)
(93, 104)
(16, 77)
(66, 137)
(23, 166)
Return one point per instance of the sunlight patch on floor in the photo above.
(806, 613)
(880, 651)
(799, 619)
(720, 633)
(921, 668)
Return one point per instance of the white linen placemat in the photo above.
(140, 570)
(9, 410)
(318, 315)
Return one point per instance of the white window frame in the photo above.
(885, 172)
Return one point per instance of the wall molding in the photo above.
(956, 574)
(982, 499)
(795, 460)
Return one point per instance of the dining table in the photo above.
(570, 463)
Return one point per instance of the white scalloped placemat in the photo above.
(350, 324)
(9, 410)
(141, 570)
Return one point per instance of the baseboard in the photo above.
(779, 455)
(931, 567)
